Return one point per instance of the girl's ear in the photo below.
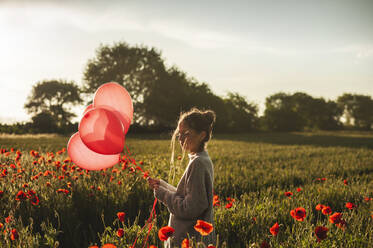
(202, 136)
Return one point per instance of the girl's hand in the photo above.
(153, 183)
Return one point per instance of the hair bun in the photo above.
(210, 116)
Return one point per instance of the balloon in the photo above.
(114, 97)
(101, 131)
(86, 158)
(89, 107)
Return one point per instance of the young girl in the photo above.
(193, 197)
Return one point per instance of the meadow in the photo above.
(47, 201)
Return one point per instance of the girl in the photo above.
(193, 197)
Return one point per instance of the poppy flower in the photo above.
(21, 196)
(335, 218)
(185, 244)
(228, 205)
(342, 224)
(203, 227)
(299, 189)
(321, 232)
(108, 246)
(274, 229)
(121, 216)
(367, 199)
(345, 182)
(94, 246)
(211, 246)
(1, 193)
(326, 210)
(216, 201)
(8, 219)
(120, 232)
(14, 234)
(350, 205)
(1, 225)
(299, 214)
(319, 207)
(288, 194)
(165, 232)
(152, 246)
(35, 200)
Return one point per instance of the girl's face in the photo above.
(189, 138)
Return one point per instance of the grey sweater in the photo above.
(190, 201)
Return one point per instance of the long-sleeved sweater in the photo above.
(190, 201)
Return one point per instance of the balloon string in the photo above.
(147, 222)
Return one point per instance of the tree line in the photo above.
(160, 93)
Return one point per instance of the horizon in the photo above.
(323, 48)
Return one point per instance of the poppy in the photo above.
(345, 182)
(121, 216)
(342, 224)
(335, 218)
(1, 193)
(229, 205)
(108, 246)
(350, 205)
(319, 207)
(165, 232)
(288, 194)
(152, 246)
(14, 234)
(274, 229)
(299, 189)
(94, 246)
(21, 196)
(8, 219)
(299, 214)
(367, 199)
(185, 244)
(35, 200)
(203, 227)
(120, 232)
(326, 210)
(321, 232)
(216, 201)
(211, 246)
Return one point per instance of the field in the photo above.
(63, 206)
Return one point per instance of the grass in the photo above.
(255, 169)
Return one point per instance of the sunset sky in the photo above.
(257, 48)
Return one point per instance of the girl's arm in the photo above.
(167, 185)
(195, 201)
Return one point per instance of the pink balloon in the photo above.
(89, 107)
(115, 98)
(101, 131)
(86, 158)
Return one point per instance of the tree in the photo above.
(53, 99)
(357, 110)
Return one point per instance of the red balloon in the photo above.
(101, 131)
(86, 158)
(89, 107)
(116, 98)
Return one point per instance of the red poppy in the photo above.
(1, 225)
(121, 216)
(108, 246)
(152, 246)
(14, 234)
(120, 232)
(288, 194)
(326, 210)
(94, 246)
(165, 232)
(8, 219)
(1, 193)
(299, 189)
(350, 205)
(35, 200)
(335, 218)
(299, 214)
(342, 224)
(21, 196)
(321, 232)
(216, 201)
(185, 244)
(229, 205)
(345, 182)
(274, 229)
(367, 199)
(203, 227)
(211, 246)
(319, 207)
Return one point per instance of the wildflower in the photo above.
(326, 210)
(165, 232)
(288, 194)
(321, 232)
(120, 232)
(299, 214)
(203, 227)
(1, 193)
(216, 201)
(345, 182)
(228, 205)
(335, 218)
(350, 205)
(121, 216)
(299, 189)
(108, 246)
(21, 196)
(367, 199)
(8, 219)
(185, 244)
(274, 229)
(14, 234)
(319, 207)
(34, 200)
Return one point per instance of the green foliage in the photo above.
(254, 169)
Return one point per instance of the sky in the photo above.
(256, 48)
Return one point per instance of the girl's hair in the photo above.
(197, 120)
